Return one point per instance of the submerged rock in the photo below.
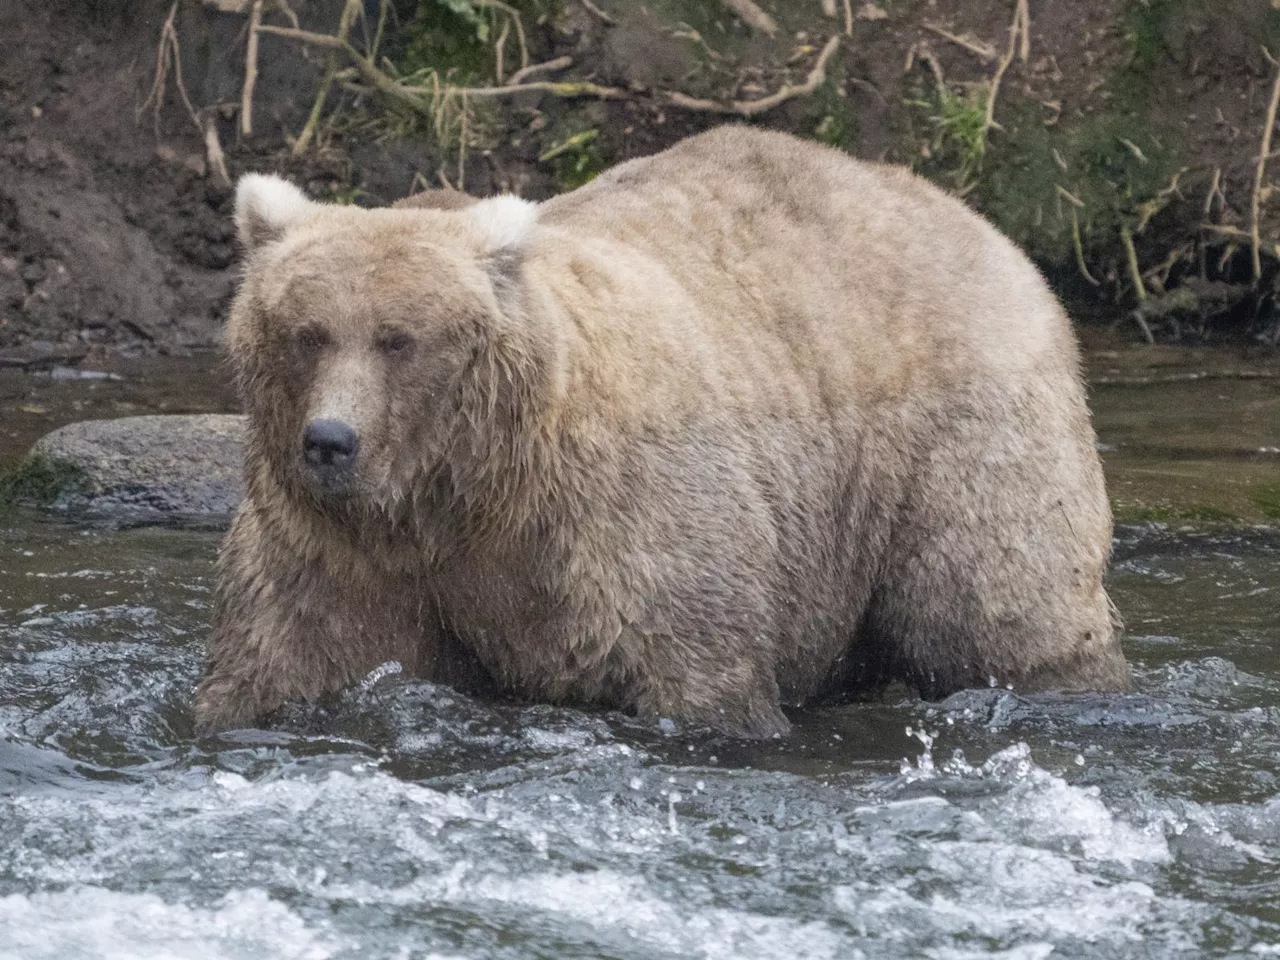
(138, 469)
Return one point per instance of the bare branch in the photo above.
(1255, 200)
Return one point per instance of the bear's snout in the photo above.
(330, 444)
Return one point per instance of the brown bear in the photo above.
(733, 427)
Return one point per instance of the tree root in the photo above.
(416, 100)
(603, 17)
(752, 108)
(215, 158)
(983, 51)
(345, 22)
(250, 70)
(1019, 43)
(1255, 200)
(1131, 256)
(751, 14)
(1194, 298)
(168, 59)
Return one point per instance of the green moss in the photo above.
(37, 480)
(1145, 24)
(348, 194)
(1196, 514)
(1268, 501)
(1104, 169)
(832, 122)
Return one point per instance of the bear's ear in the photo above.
(504, 221)
(266, 206)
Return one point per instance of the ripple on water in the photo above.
(406, 820)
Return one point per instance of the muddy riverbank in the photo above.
(1118, 127)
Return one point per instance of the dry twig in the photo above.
(600, 14)
(549, 66)
(1215, 190)
(168, 58)
(250, 70)
(500, 51)
(751, 14)
(753, 108)
(349, 13)
(1255, 200)
(983, 51)
(213, 151)
(1131, 255)
(848, 18)
(1021, 27)
(1078, 246)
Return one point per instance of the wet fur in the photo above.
(737, 426)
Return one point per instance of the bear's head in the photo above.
(369, 344)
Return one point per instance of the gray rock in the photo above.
(147, 469)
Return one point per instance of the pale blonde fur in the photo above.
(744, 424)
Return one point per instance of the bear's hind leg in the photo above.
(994, 573)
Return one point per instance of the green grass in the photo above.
(576, 159)
(959, 138)
(455, 38)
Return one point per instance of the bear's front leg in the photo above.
(291, 627)
(719, 683)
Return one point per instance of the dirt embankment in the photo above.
(1118, 140)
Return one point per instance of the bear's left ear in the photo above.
(266, 206)
(505, 222)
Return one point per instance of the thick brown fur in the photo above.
(732, 427)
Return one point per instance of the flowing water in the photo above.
(407, 821)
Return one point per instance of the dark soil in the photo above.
(115, 236)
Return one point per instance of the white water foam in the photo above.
(87, 921)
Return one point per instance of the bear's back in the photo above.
(802, 250)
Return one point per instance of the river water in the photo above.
(408, 821)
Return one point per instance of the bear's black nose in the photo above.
(330, 443)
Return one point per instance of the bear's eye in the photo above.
(395, 342)
(310, 339)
